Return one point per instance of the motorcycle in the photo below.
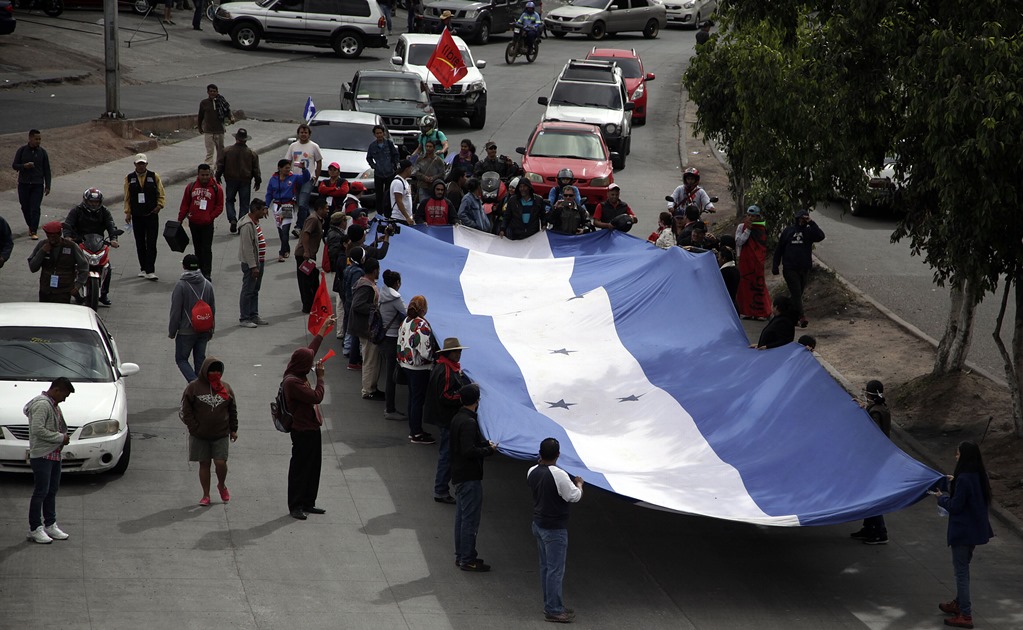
(679, 208)
(494, 190)
(52, 8)
(517, 46)
(97, 251)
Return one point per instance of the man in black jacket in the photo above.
(468, 448)
(442, 402)
(795, 253)
(33, 166)
(92, 217)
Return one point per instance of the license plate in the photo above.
(444, 97)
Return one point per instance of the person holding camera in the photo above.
(567, 217)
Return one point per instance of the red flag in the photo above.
(446, 61)
(323, 307)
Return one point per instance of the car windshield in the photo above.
(265, 3)
(561, 144)
(592, 4)
(630, 67)
(342, 135)
(419, 54)
(587, 95)
(389, 89)
(44, 354)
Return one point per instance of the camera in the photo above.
(388, 226)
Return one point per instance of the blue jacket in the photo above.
(382, 159)
(968, 522)
(471, 214)
(286, 190)
(530, 21)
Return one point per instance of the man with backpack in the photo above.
(191, 317)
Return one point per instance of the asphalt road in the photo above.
(143, 555)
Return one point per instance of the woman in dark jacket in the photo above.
(306, 447)
(525, 212)
(967, 501)
(729, 272)
(782, 327)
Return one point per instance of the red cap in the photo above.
(356, 187)
(53, 227)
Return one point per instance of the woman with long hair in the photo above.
(417, 348)
(967, 501)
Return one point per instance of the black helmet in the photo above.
(622, 222)
(92, 194)
(565, 173)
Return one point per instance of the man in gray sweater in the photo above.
(191, 287)
(47, 436)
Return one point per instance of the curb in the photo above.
(54, 79)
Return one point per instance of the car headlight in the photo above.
(535, 178)
(600, 181)
(99, 428)
(475, 86)
(690, 4)
(366, 174)
(610, 129)
(223, 14)
(580, 18)
(638, 94)
(471, 14)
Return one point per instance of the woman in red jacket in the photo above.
(334, 188)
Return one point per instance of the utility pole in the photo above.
(112, 61)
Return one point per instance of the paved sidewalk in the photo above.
(174, 163)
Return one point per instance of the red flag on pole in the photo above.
(323, 307)
(446, 61)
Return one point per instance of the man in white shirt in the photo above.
(401, 194)
(553, 490)
(305, 153)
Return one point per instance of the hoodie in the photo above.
(516, 225)
(46, 426)
(187, 291)
(207, 414)
(392, 310)
(300, 397)
(201, 204)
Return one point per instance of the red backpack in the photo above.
(202, 314)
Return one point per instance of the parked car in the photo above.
(41, 342)
(556, 145)
(344, 137)
(635, 77)
(593, 92)
(400, 98)
(597, 18)
(475, 21)
(347, 26)
(7, 20)
(690, 12)
(883, 190)
(465, 99)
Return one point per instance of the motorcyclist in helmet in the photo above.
(428, 131)
(92, 217)
(690, 193)
(565, 178)
(531, 24)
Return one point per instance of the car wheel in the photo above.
(479, 118)
(639, 122)
(859, 208)
(559, 34)
(618, 164)
(122, 464)
(484, 34)
(347, 45)
(140, 7)
(245, 36)
(651, 30)
(599, 31)
(628, 146)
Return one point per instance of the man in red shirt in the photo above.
(202, 202)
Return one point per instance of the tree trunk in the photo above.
(955, 342)
(1014, 362)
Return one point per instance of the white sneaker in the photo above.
(39, 536)
(142, 274)
(55, 532)
(247, 324)
(151, 276)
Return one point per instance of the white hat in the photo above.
(141, 157)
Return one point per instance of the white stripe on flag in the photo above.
(648, 448)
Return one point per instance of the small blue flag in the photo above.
(310, 109)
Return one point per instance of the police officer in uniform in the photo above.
(143, 200)
(62, 266)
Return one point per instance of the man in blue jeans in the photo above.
(442, 403)
(191, 287)
(468, 448)
(553, 489)
(47, 437)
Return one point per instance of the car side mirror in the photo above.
(481, 63)
(542, 100)
(520, 150)
(650, 76)
(396, 60)
(128, 369)
(630, 106)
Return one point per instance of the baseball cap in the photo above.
(614, 187)
(356, 187)
(491, 145)
(141, 157)
(335, 165)
(190, 262)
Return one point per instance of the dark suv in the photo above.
(473, 20)
(400, 98)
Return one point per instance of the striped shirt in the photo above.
(261, 243)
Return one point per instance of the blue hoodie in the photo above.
(286, 190)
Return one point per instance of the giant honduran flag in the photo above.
(634, 359)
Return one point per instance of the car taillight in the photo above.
(10, 9)
(382, 22)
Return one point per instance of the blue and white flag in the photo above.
(310, 109)
(634, 359)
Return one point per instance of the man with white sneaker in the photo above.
(143, 199)
(48, 435)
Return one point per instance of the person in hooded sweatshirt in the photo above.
(525, 214)
(392, 313)
(306, 445)
(210, 411)
(189, 289)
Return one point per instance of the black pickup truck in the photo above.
(400, 98)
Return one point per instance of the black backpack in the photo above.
(279, 411)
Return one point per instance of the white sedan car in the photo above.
(41, 342)
(690, 12)
(344, 137)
